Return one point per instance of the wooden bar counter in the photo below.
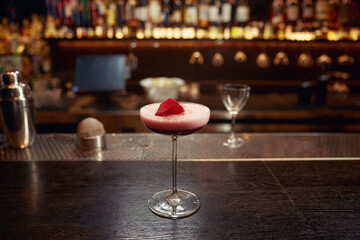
(277, 186)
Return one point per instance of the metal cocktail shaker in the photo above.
(16, 110)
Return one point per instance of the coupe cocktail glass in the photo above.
(234, 97)
(175, 203)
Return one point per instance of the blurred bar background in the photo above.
(301, 59)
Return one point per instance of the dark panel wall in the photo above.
(24, 8)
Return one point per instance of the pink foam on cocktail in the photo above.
(194, 117)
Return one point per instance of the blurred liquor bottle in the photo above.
(227, 16)
(166, 13)
(60, 12)
(154, 12)
(68, 13)
(307, 14)
(322, 12)
(111, 14)
(241, 19)
(85, 13)
(204, 7)
(13, 24)
(164, 31)
(121, 28)
(100, 23)
(75, 12)
(110, 18)
(141, 13)
(130, 17)
(334, 14)
(215, 27)
(94, 13)
(292, 12)
(101, 8)
(176, 14)
(190, 13)
(345, 15)
(277, 13)
(120, 17)
(51, 8)
(242, 13)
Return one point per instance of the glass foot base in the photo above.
(178, 205)
(234, 143)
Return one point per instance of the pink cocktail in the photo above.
(174, 203)
(193, 119)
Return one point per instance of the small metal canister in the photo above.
(16, 110)
(91, 135)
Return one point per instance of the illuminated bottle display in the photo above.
(303, 20)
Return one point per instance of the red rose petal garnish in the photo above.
(169, 107)
(175, 109)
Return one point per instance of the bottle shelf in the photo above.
(151, 43)
(173, 57)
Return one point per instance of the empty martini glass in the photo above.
(234, 97)
(175, 203)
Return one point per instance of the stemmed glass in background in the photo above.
(234, 97)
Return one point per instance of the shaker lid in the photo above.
(91, 135)
(9, 78)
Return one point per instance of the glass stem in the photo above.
(174, 163)
(233, 118)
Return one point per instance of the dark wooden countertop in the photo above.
(277, 186)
